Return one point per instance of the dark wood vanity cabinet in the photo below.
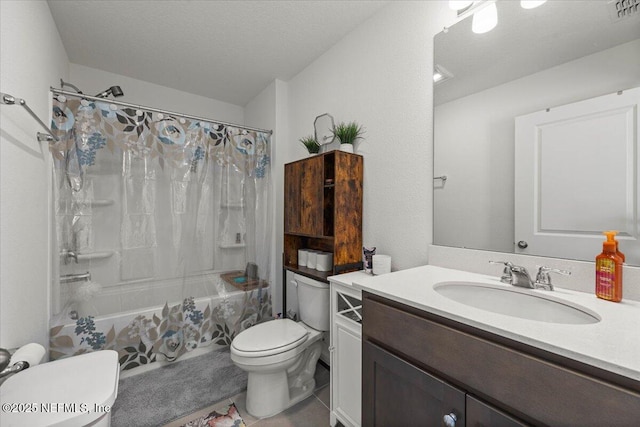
(480, 414)
(397, 393)
(420, 367)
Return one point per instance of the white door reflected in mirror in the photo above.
(576, 159)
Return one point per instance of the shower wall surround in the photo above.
(156, 207)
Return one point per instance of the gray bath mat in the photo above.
(173, 391)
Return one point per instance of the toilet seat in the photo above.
(269, 338)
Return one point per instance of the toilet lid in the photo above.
(272, 337)
(87, 384)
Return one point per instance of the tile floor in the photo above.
(312, 412)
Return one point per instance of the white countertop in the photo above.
(613, 343)
(347, 279)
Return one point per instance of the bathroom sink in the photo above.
(516, 302)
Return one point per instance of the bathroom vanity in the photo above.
(430, 360)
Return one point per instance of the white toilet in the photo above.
(70, 392)
(280, 355)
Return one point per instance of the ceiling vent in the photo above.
(620, 9)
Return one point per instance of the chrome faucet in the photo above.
(519, 276)
(543, 279)
(506, 273)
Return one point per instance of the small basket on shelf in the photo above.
(247, 280)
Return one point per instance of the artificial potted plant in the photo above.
(311, 143)
(347, 133)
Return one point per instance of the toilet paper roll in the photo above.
(312, 259)
(31, 353)
(302, 257)
(381, 264)
(324, 261)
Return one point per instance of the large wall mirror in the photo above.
(536, 128)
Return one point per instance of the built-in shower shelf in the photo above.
(232, 245)
(98, 203)
(232, 205)
(90, 256)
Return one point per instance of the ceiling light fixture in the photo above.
(441, 74)
(531, 4)
(485, 19)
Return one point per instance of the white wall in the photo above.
(282, 137)
(269, 111)
(32, 58)
(475, 209)
(92, 81)
(380, 76)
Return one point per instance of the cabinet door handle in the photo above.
(449, 420)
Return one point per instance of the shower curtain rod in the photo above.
(7, 99)
(155, 110)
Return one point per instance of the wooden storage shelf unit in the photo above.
(323, 211)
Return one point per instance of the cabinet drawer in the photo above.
(526, 386)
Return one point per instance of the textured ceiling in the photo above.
(226, 50)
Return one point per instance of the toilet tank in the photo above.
(313, 302)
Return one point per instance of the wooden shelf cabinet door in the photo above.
(348, 208)
(396, 393)
(303, 198)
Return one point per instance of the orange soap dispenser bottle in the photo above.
(609, 272)
(611, 237)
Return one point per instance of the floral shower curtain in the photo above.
(171, 218)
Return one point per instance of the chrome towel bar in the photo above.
(7, 99)
(68, 278)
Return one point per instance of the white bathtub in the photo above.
(155, 323)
